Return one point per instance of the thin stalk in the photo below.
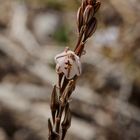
(67, 86)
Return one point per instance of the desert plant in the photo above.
(68, 67)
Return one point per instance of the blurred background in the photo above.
(106, 102)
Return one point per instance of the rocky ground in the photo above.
(106, 102)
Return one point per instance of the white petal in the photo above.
(79, 67)
(59, 56)
(70, 52)
(61, 60)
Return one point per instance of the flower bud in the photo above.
(80, 18)
(88, 14)
(68, 63)
(84, 4)
(90, 2)
(91, 27)
(97, 6)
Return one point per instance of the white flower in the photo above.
(68, 63)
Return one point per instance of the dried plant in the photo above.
(68, 67)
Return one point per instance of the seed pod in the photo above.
(60, 76)
(54, 103)
(66, 122)
(52, 135)
(91, 27)
(67, 118)
(88, 14)
(97, 6)
(80, 18)
(57, 124)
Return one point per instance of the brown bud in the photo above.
(54, 103)
(91, 27)
(88, 14)
(84, 4)
(80, 18)
(97, 6)
(90, 2)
